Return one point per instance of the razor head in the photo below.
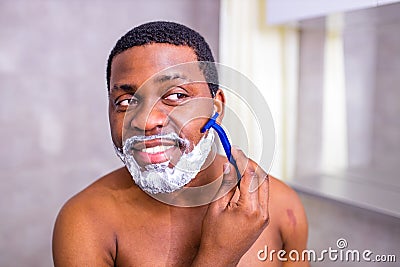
(224, 140)
(221, 133)
(210, 123)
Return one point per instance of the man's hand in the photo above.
(230, 228)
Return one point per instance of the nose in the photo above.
(148, 118)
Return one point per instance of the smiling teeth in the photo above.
(156, 149)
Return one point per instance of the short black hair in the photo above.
(169, 33)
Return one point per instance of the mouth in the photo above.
(157, 150)
(154, 145)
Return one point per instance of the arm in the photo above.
(293, 223)
(79, 237)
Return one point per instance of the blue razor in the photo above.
(224, 140)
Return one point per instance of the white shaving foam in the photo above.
(159, 178)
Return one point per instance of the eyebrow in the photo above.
(129, 88)
(169, 77)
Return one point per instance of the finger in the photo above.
(258, 179)
(227, 188)
(248, 170)
(249, 199)
(263, 195)
(240, 158)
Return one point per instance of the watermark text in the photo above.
(338, 254)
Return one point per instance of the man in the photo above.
(155, 126)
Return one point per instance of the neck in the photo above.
(200, 191)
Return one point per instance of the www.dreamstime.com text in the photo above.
(339, 254)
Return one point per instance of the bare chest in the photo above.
(169, 244)
(166, 242)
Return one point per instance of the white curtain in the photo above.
(268, 55)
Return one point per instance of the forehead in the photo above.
(137, 64)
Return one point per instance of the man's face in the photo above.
(167, 103)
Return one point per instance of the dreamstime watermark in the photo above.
(339, 254)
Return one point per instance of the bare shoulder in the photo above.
(288, 212)
(283, 196)
(96, 197)
(84, 225)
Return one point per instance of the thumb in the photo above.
(227, 188)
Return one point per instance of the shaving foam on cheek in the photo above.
(160, 178)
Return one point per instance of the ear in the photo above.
(219, 105)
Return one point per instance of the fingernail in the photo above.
(237, 147)
(227, 168)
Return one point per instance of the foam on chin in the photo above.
(159, 178)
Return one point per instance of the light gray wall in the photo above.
(54, 133)
(371, 51)
(362, 229)
(372, 71)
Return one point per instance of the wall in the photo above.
(54, 133)
(330, 220)
(369, 176)
(283, 11)
(371, 101)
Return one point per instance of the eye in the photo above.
(125, 101)
(176, 96)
